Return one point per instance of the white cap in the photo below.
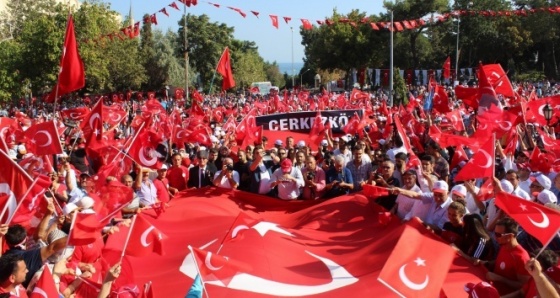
(278, 143)
(440, 186)
(507, 186)
(345, 139)
(85, 203)
(163, 167)
(546, 196)
(459, 190)
(214, 139)
(543, 180)
(300, 144)
(69, 208)
(324, 143)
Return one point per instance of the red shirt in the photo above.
(162, 190)
(19, 291)
(530, 288)
(178, 177)
(509, 264)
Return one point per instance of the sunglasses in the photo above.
(535, 185)
(500, 235)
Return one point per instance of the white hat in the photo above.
(507, 186)
(459, 190)
(278, 143)
(324, 143)
(300, 144)
(440, 186)
(214, 139)
(85, 203)
(546, 196)
(69, 208)
(163, 167)
(345, 139)
(337, 139)
(543, 180)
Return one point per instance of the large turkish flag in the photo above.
(333, 248)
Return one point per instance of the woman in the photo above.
(452, 230)
(477, 243)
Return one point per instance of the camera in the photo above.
(310, 175)
(229, 168)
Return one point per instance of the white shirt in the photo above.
(289, 190)
(405, 204)
(224, 183)
(394, 151)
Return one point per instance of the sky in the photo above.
(274, 44)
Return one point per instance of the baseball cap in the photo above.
(440, 186)
(459, 190)
(69, 208)
(543, 180)
(506, 186)
(286, 165)
(546, 196)
(301, 144)
(278, 143)
(324, 143)
(85, 202)
(214, 139)
(337, 139)
(481, 289)
(163, 167)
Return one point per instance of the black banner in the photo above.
(303, 121)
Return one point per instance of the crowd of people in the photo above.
(293, 169)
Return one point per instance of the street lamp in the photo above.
(458, 32)
(301, 78)
(390, 103)
(547, 111)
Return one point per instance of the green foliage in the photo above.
(273, 74)
(399, 88)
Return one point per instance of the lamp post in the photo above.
(390, 103)
(458, 33)
(301, 78)
(293, 74)
(547, 111)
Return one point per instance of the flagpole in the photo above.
(70, 232)
(133, 139)
(229, 230)
(215, 70)
(128, 237)
(547, 243)
(115, 211)
(58, 77)
(198, 271)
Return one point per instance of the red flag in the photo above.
(459, 156)
(93, 123)
(14, 182)
(85, 229)
(75, 113)
(402, 134)
(214, 267)
(357, 95)
(418, 265)
(144, 239)
(142, 150)
(374, 191)
(148, 291)
(224, 68)
(441, 100)
(72, 75)
(354, 125)
(486, 94)
(274, 22)
(498, 79)
(45, 286)
(306, 24)
(486, 191)
(480, 165)
(43, 139)
(242, 222)
(539, 221)
(317, 129)
(456, 120)
(541, 161)
(447, 68)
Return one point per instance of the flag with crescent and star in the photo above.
(480, 165)
(144, 240)
(538, 220)
(43, 139)
(85, 229)
(45, 286)
(214, 267)
(418, 265)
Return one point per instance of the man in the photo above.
(202, 174)
(145, 188)
(508, 270)
(242, 167)
(279, 144)
(212, 157)
(524, 174)
(513, 178)
(539, 183)
(132, 208)
(261, 172)
(385, 178)
(360, 172)
(435, 203)
(338, 179)
(162, 184)
(227, 177)
(289, 143)
(427, 163)
(76, 191)
(400, 165)
(177, 174)
(288, 179)
(12, 274)
(314, 178)
(399, 148)
(403, 204)
(441, 167)
(300, 160)
(34, 258)
(343, 150)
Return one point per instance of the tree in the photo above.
(249, 65)
(165, 48)
(156, 76)
(273, 74)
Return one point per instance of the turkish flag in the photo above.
(374, 191)
(456, 120)
(201, 136)
(274, 21)
(487, 97)
(45, 286)
(142, 150)
(14, 184)
(480, 165)
(535, 112)
(539, 221)
(550, 144)
(85, 229)
(402, 134)
(144, 239)
(214, 267)
(93, 122)
(441, 100)
(541, 161)
(418, 265)
(75, 113)
(113, 196)
(498, 79)
(72, 75)
(357, 95)
(242, 222)
(317, 132)
(486, 191)
(114, 114)
(447, 68)
(355, 125)
(468, 95)
(459, 156)
(224, 68)
(43, 139)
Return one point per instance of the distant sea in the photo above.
(287, 67)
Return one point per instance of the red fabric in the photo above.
(441, 100)
(374, 191)
(15, 182)
(402, 134)
(539, 221)
(530, 288)
(161, 189)
(447, 68)
(45, 285)
(43, 139)
(85, 230)
(142, 150)
(144, 239)
(459, 156)
(509, 264)
(456, 120)
(498, 79)
(541, 161)
(93, 122)
(418, 265)
(274, 23)
(207, 262)
(357, 95)
(75, 113)
(480, 165)
(178, 177)
(339, 230)
(72, 75)
(224, 68)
